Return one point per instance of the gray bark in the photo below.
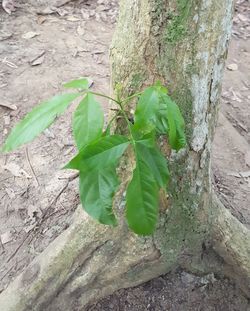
(184, 44)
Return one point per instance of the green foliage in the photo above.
(146, 111)
(88, 121)
(38, 120)
(155, 161)
(101, 153)
(97, 189)
(142, 199)
(150, 174)
(100, 150)
(156, 111)
(77, 84)
(175, 123)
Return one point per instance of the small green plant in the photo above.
(99, 150)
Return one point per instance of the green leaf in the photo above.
(158, 85)
(161, 119)
(102, 153)
(87, 121)
(146, 108)
(157, 111)
(38, 120)
(177, 138)
(142, 196)
(151, 111)
(151, 174)
(107, 131)
(97, 189)
(77, 84)
(156, 162)
(98, 181)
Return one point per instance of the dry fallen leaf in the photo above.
(73, 19)
(41, 19)
(6, 237)
(234, 174)
(38, 61)
(37, 55)
(30, 35)
(245, 174)
(232, 67)
(9, 106)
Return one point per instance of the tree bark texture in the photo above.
(184, 44)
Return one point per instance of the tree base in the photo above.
(89, 261)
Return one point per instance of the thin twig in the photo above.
(54, 201)
(31, 167)
(71, 178)
(54, 213)
(8, 271)
(8, 63)
(17, 249)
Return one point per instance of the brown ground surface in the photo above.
(37, 54)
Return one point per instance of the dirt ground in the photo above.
(40, 51)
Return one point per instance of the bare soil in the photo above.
(40, 51)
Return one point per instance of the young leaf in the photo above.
(97, 188)
(158, 85)
(142, 199)
(38, 120)
(87, 121)
(145, 113)
(161, 113)
(77, 84)
(104, 152)
(176, 124)
(161, 119)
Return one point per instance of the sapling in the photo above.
(100, 148)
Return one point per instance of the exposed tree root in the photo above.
(89, 261)
(231, 241)
(86, 262)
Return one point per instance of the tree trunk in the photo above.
(184, 44)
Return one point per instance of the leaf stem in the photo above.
(113, 118)
(105, 96)
(130, 97)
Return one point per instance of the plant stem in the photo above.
(128, 123)
(120, 104)
(114, 117)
